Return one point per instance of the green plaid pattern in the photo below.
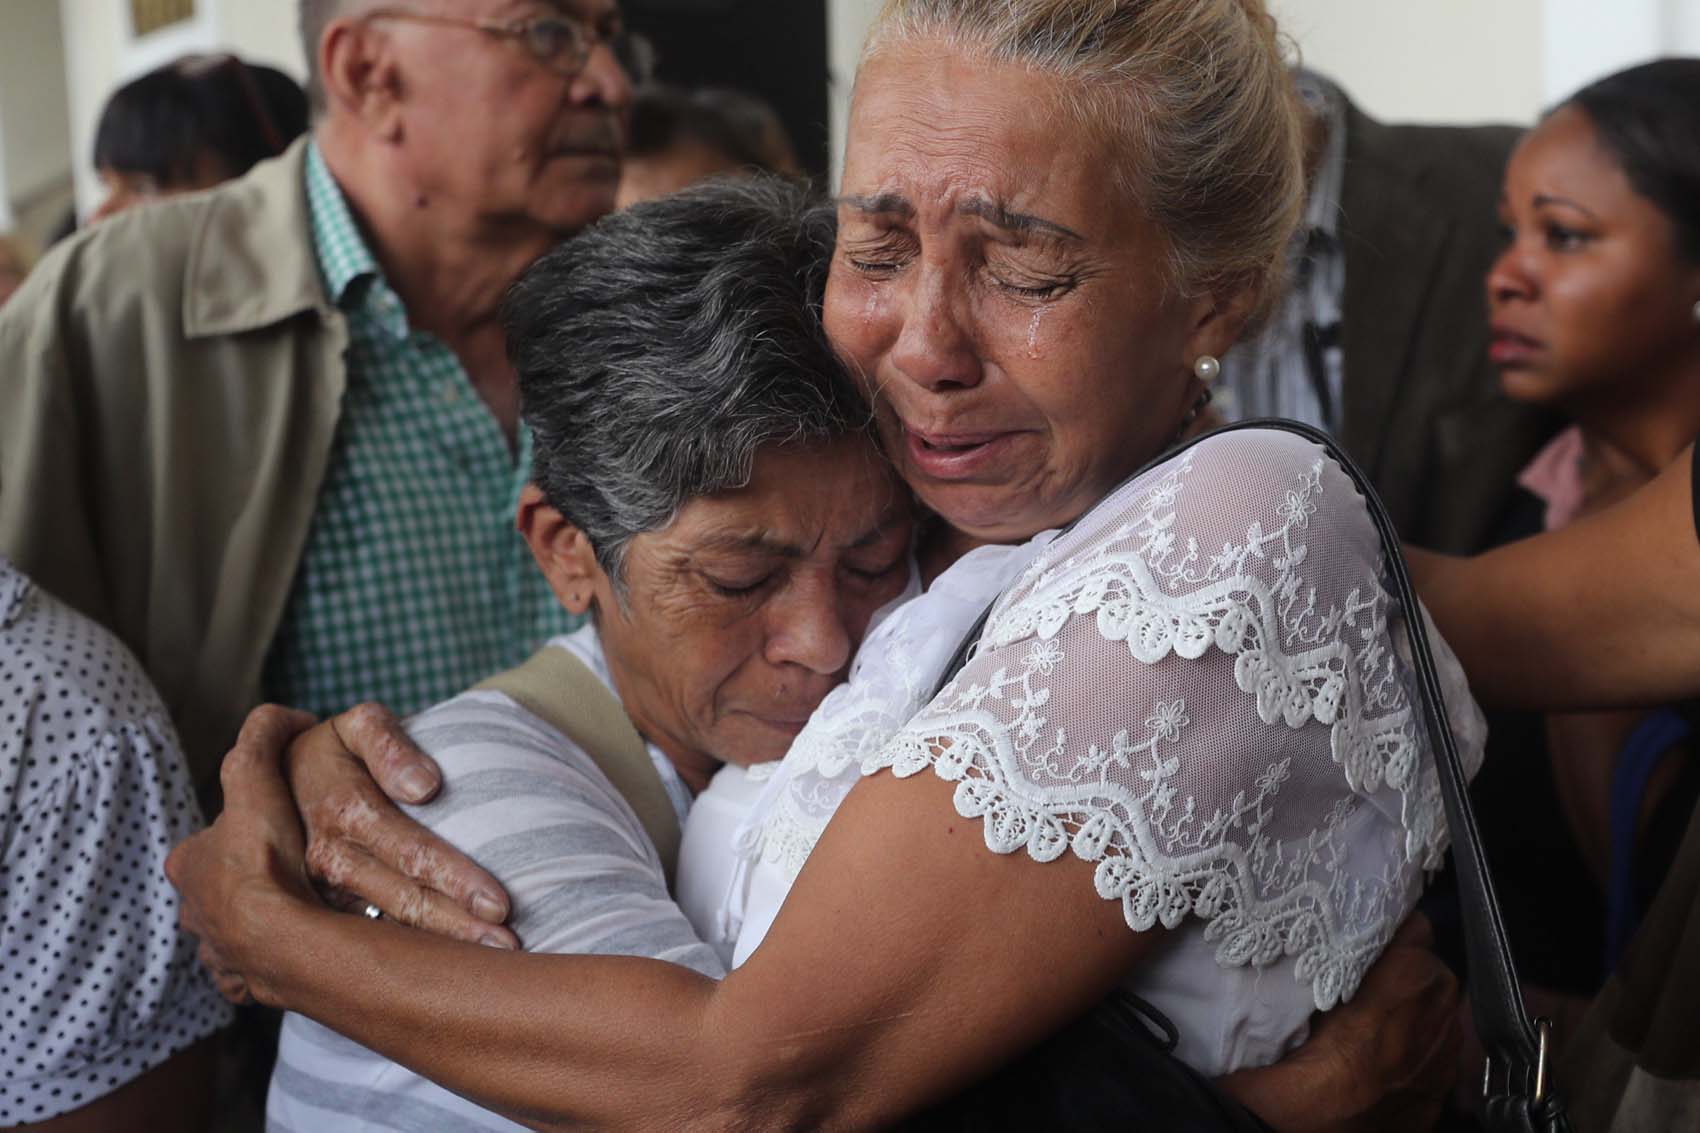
(414, 583)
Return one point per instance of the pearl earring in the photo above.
(1207, 368)
(1697, 312)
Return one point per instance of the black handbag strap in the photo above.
(1514, 1044)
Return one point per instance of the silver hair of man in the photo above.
(312, 17)
(1192, 98)
(666, 346)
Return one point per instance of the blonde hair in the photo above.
(1193, 95)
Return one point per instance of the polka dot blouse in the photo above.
(97, 986)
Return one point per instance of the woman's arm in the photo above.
(971, 959)
(1383, 1063)
(1364, 1061)
(360, 846)
(1604, 613)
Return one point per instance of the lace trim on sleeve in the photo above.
(1093, 721)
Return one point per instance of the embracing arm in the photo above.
(345, 776)
(1604, 613)
(1378, 1063)
(925, 989)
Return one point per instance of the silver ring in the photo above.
(372, 912)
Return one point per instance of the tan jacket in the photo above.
(170, 382)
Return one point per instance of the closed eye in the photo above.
(1039, 291)
(874, 574)
(736, 589)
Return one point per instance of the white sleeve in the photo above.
(1201, 689)
(99, 985)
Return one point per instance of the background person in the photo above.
(1595, 303)
(269, 434)
(1007, 423)
(1537, 629)
(108, 1018)
(682, 457)
(679, 137)
(1380, 337)
(193, 124)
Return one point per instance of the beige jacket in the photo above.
(170, 382)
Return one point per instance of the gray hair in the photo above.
(664, 346)
(1194, 101)
(312, 19)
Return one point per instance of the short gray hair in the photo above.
(312, 18)
(1193, 98)
(662, 348)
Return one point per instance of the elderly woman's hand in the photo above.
(362, 849)
(1383, 1063)
(234, 876)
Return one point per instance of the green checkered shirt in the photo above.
(414, 583)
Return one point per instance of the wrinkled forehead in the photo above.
(802, 501)
(949, 132)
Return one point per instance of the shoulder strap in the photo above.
(1516, 1045)
(560, 690)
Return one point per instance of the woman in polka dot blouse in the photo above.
(102, 1005)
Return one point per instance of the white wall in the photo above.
(1428, 60)
(261, 31)
(1587, 39)
(7, 220)
(35, 157)
(847, 25)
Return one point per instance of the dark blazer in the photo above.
(1423, 411)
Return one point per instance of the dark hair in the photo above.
(742, 127)
(164, 122)
(1648, 117)
(660, 349)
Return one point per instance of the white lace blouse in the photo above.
(1202, 687)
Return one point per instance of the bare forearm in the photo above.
(1602, 614)
(1516, 649)
(552, 1041)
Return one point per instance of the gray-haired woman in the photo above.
(1187, 716)
(707, 487)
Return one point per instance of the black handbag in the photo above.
(1114, 1068)
(1518, 1091)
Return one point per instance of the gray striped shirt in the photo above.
(531, 807)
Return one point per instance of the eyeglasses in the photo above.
(561, 44)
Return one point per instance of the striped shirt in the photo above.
(531, 807)
(1279, 373)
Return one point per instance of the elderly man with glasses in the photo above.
(269, 434)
